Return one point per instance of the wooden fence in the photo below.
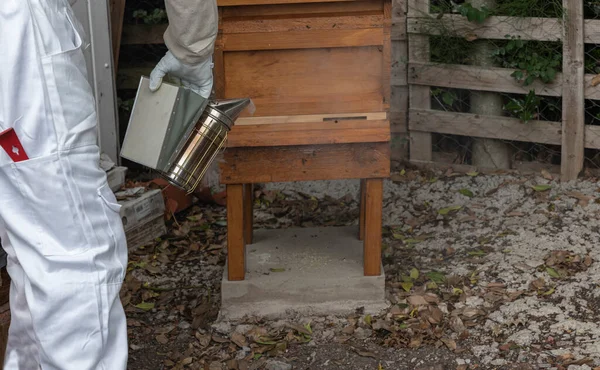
(573, 85)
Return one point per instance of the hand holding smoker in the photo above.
(177, 132)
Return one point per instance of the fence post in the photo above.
(573, 101)
(399, 93)
(419, 96)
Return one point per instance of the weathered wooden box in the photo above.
(305, 58)
(319, 75)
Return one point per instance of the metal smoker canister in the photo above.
(177, 132)
(204, 143)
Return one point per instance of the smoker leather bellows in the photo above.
(177, 132)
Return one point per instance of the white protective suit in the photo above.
(59, 220)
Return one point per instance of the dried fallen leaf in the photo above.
(364, 353)
(596, 80)
(162, 339)
(414, 274)
(417, 300)
(450, 343)
(239, 339)
(299, 328)
(348, 330)
(415, 342)
(219, 339)
(436, 315)
(547, 175)
(505, 347)
(277, 269)
(470, 37)
(232, 364)
(203, 339)
(584, 200)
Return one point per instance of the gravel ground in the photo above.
(483, 272)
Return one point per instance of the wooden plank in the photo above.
(309, 134)
(363, 204)
(497, 27)
(573, 91)
(248, 214)
(399, 20)
(143, 34)
(117, 11)
(476, 78)
(540, 29)
(303, 39)
(243, 121)
(487, 79)
(310, 162)
(321, 9)
(592, 31)
(236, 254)
(386, 68)
(493, 127)
(399, 29)
(399, 99)
(303, 24)
(399, 63)
(398, 122)
(268, 2)
(309, 81)
(592, 137)
(373, 221)
(420, 144)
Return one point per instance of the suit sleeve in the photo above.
(192, 30)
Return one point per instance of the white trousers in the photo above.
(59, 220)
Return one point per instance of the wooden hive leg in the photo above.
(248, 215)
(236, 263)
(363, 202)
(373, 220)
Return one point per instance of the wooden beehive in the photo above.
(319, 75)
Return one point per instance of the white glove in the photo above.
(197, 77)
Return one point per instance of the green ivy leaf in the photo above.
(466, 193)
(436, 276)
(407, 285)
(146, 306)
(552, 272)
(448, 210)
(541, 188)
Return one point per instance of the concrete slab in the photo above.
(303, 272)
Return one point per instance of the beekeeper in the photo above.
(59, 220)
